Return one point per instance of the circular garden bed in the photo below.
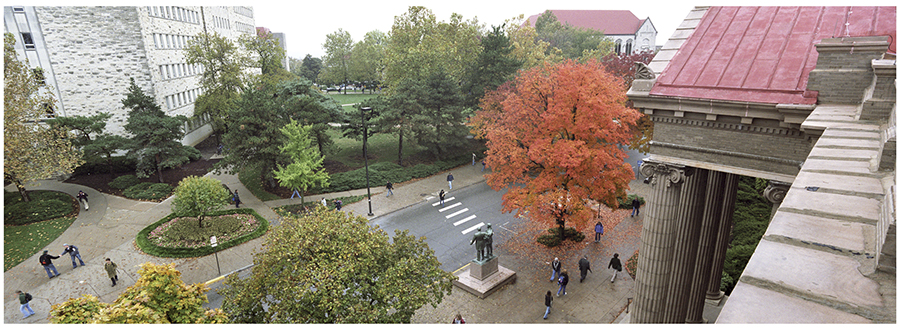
(182, 237)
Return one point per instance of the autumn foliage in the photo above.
(553, 136)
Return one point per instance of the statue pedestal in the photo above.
(482, 278)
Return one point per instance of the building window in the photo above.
(49, 112)
(27, 40)
(618, 46)
(628, 46)
(18, 9)
(39, 76)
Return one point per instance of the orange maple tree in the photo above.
(553, 136)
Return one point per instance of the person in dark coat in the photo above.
(635, 207)
(441, 195)
(390, 188)
(450, 180)
(237, 199)
(73, 253)
(555, 265)
(584, 266)
(616, 265)
(563, 280)
(83, 197)
(23, 304)
(47, 262)
(548, 300)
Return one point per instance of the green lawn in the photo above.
(342, 99)
(382, 148)
(22, 242)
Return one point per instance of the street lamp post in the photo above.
(364, 110)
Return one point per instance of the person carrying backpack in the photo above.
(47, 262)
(83, 197)
(390, 188)
(616, 265)
(73, 253)
(24, 299)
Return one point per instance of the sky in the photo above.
(305, 24)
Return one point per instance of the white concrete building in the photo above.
(630, 34)
(88, 54)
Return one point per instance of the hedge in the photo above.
(143, 242)
(44, 205)
(149, 191)
(381, 173)
(124, 182)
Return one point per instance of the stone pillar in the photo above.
(729, 193)
(775, 192)
(657, 239)
(690, 215)
(706, 241)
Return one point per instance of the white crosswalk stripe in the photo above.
(445, 200)
(464, 220)
(473, 228)
(456, 213)
(449, 207)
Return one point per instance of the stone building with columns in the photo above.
(88, 54)
(806, 98)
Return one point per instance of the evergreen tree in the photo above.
(155, 143)
(493, 67)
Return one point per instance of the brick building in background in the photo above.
(88, 54)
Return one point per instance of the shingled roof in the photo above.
(764, 54)
(610, 22)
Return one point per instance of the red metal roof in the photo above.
(610, 22)
(764, 54)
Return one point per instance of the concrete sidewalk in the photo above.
(109, 227)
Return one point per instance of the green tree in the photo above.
(265, 52)
(101, 146)
(440, 126)
(573, 42)
(527, 48)
(366, 60)
(155, 143)
(338, 49)
(197, 196)
(396, 110)
(421, 46)
(304, 103)
(305, 170)
(222, 78)
(158, 296)
(310, 68)
(31, 151)
(493, 67)
(331, 267)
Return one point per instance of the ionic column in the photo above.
(775, 192)
(713, 294)
(657, 239)
(690, 215)
(706, 241)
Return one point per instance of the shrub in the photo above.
(149, 191)
(120, 164)
(199, 195)
(192, 153)
(124, 181)
(143, 241)
(552, 239)
(631, 265)
(625, 202)
(44, 205)
(727, 283)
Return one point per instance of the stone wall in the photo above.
(94, 51)
(844, 68)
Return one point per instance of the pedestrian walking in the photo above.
(473, 159)
(237, 199)
(441, 195)
(482, 165)
(295, 193)
(548, 300)
(458, 319)
(555, 265)
(73, 253)
(616, 265)
(598, 231)
(450, 181)
(563, 280)
(24, 299)
(47, 262)
(635, 206)
(324, 202)
(338, 204)
(111, 269)
(584, 266)
(390, 188)
(83, 197)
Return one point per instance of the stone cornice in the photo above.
(728, 126)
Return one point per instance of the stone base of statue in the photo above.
(482, 278)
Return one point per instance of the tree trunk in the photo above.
(22, 190)
(159, 169)
(200, 221)
(400, 150)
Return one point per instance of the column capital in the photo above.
(776, 190)
(668, 173)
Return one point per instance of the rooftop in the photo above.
(610, 22)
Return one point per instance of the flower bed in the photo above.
(180, 237)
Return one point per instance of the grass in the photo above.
(22, 242)
(250, 179)
(382, 148)
(297, 208)
(342, 99)
(145, 244)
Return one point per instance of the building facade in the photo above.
(630, 34)
(88, 55)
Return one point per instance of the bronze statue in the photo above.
(479, 241)
(489, 242)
